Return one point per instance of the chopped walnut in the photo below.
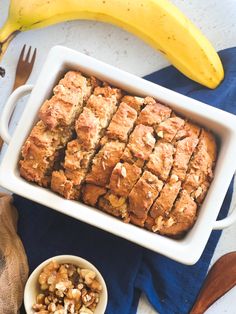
(149, 195)
(160, 134)
(67, 289)
(198, 192)
(159, 223)
(196, 178)
(123, 171)
(174, 178)
(150, 140)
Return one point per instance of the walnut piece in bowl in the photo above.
(65, 284)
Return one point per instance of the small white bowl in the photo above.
(32, 287)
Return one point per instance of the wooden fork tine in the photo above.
(22, 54)
(28, 55)
(34, 56)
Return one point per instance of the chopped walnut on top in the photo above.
(66, 288)
(140, 145)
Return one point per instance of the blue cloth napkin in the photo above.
(129, 269)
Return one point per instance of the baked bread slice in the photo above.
(184, 150)
(40, 152)
(123, 178)
(169, 128)
(163, 204)
(121, 124)
(142, 197)
(91, 193)
(104, 162)
(153, 113)
(68, 100)
(140, 145)
(134, 102)
(180, 219)
(89, 127)
(200, 171)
(161, 159)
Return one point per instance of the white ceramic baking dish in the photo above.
(187, 250)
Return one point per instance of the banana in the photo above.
(157, 22)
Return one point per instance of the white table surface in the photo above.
(216, 19)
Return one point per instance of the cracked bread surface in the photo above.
(104, 162)
(169, 128)
(185, 148)
(153, 113)
(200, 172)
(91, 193)
(89, 127)
(131, 157)
(40, 152)
(68, 100)
(161, 159)
(140, 145)
(142, 197)
(180, 219)
(121, 123)
(123, 178)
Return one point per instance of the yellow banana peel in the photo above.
(157, 22)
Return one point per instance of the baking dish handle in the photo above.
(226, 222)
(9, 108)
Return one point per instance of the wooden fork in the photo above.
(23, 71)
(24, 67)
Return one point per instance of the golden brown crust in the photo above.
(134, 102)
(67, 102)
(108, 92)
(55, 112)
(91, 193)
(67, 95)
(165, 201)
(61, 185)
(73, 80)
(33, 171)
(99, 109)
(40, 152)
(142, 197)
(103, 108)
(87, 128)
(123, 178)
(189, 130)
(136, 160)
(76, 157)
(104, 162)
(180, 219)
(140, 145)
(184, 151)
(200, 193)
(76, 176)
(122, 123)
(153, 113)
(169, 128)
(202, 164)
(161, 159)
